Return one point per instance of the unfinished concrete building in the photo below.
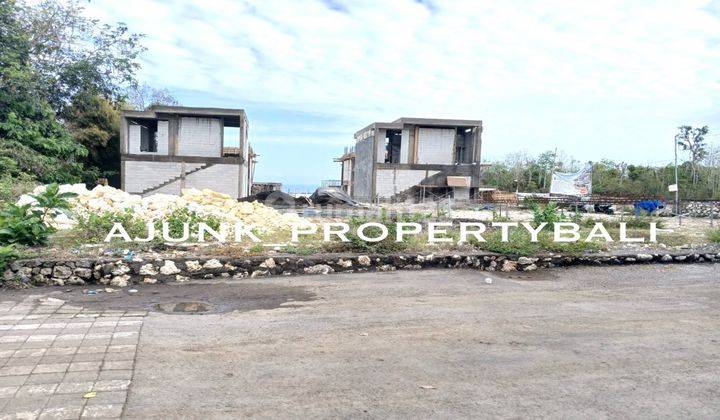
(413, 157)
(167, 148)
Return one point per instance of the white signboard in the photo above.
(672, 188)
(573, 183)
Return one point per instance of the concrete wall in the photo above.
(405, 146)
(346, 170)
(363, 170)
(435, 145)
(393, 181)
(200, 137)
(221, 178)
(161, 136)
(245, 179)
(380, 152)
(141, 175)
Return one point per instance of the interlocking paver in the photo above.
(82, 366)
(61, 350)
(44, 378)
(36, 389)
(116, 357)
(13, 380)
(51, 354)
(29, 352)
(8, 391)
(121, 364)
(115, 374)
(90, 357)
(108, 397)
(60, 413)
(111, 385)
(74, 387)
(16, 370)
(50, 368)
(102, 411)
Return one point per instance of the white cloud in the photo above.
(608, 77)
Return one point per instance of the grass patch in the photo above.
(519, 243)
(713, 235)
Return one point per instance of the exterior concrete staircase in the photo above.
(175, 178)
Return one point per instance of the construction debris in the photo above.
(331, 196)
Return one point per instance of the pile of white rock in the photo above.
(103, 199)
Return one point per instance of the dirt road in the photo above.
(606, 342)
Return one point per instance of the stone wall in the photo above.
(121, 272)
(700, 209)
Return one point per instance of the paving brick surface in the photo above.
(53, 354)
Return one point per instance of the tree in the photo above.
(546, 162)
(95, 123)
(693, 140)
(144, 96)
(31, 138)
(75, 55)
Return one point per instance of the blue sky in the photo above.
(608, 79)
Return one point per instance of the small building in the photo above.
(167, 148)
(413, 157)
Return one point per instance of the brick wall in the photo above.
(435, 145)
(200, 137)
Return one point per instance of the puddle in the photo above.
(189, 298)
(183, 307)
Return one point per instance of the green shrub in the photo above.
(636, 222)
(356, 244)
(639, 222)
(26, 225)
(256, 249)
(498, 217)
(182, 215)
(12, 187)
(713, 235)
(7, 254)
(95, 227)
(546, 214)
(519, 243)
(528, 203)
(301, 249)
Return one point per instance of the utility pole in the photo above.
(677, 187)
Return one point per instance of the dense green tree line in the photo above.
(63, 79)
(698, 173)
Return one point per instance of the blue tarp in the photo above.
(649, 206)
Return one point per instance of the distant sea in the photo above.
(299, 188)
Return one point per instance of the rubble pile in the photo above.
(103, 199)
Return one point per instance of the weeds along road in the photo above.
(637, 341)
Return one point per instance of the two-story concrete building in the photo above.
(412, 156)
(167, 148)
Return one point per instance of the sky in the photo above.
(603, 79)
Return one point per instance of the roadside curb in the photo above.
(121, 272)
